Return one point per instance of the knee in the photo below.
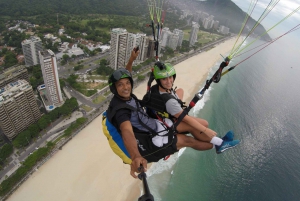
(205, 123)
(180, 93)
(184, 141)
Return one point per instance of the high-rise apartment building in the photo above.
(224, 30)
(165, 33)
(151, 48)
(122, 43)
(196, 16)
(143, 42)
(194, 34)
(216, 25)
(173, 41)
(131, 43)
(18, 108)
(13, 74)
(118, 46)
(50, 76)
(31, 48)
(203, 16)
(208, 23)
(180, 34)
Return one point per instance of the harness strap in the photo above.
(180, 118)
(153, 133)
(138, 109)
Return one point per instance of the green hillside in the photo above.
(45, 12)
(16, 8)
(226, 12)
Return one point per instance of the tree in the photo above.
(185, 47)
(54, 114)
(5, 151)
(65, 57)
(64, 110)
(44, 122)
(169, 51)
(72, 79)
(33, 82)
(34, 130)
(62, 83)
(10, 59)
(104, 70)
(37, 78)
(22, 139)
(78, 67)
(103, 62)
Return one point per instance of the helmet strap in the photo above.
(167, 90)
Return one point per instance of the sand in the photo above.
(87, 169)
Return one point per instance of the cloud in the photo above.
(285, 8)
(282, 8)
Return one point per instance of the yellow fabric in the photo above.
(114, 146)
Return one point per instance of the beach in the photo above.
(87, 169)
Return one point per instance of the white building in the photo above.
(78, 52)
(30, 48)
(63, 47)
(203, 16)
(164, 36)
(122, 43)
(216, 25)
(51, 80)
(118, 46)
(18, 108)
(130, 44)
(48, 36)
(208, 23)
(180, 34)
(194, 34)
(143, 42)
(173, 41)
(61, 31)
(223, 30)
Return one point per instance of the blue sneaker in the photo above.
(229, 136)
(226, 145)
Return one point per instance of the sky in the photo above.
(279, 12)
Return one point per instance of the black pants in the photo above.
(153, 153)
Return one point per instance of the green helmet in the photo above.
(162, 70)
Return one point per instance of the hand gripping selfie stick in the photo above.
(147, 195)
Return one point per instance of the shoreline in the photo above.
(87, 169)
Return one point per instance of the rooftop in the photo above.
(12, 89)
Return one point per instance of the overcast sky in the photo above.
(281, 10)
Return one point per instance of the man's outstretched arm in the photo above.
(133, 56)
(132, 148)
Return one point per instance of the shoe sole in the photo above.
(219, 152)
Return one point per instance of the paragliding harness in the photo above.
(144, 138)
(155, 103)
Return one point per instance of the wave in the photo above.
(206, 97)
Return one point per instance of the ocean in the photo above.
(260, 102)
